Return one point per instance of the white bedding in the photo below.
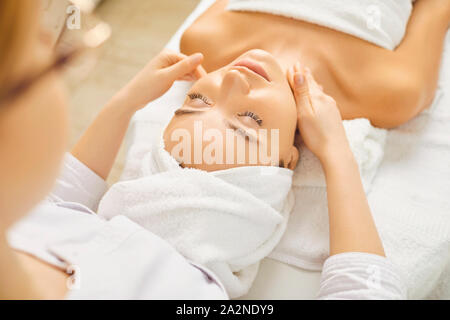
(381, 22)
(410, 195)
(227, 221)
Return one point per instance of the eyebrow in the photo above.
(234, 127)
(227, 122)
(182, 111)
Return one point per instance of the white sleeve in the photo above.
(79, 184)
(360, 276)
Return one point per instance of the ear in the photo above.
(292, 159)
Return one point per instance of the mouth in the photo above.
(254, 67)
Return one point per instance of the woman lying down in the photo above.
(189, 233)
(246, 99)
(225, 204)
(200, 227)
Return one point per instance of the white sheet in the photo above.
(382, 22)
(409, 198)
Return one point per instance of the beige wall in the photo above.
(54, 16)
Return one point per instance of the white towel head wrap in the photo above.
(227, 221)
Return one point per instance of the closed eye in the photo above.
(198, 96)
(253, 116)
(249, 135)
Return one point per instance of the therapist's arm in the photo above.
(352, 228)
(99, 145)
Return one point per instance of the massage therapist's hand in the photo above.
(158, 77)
(319, 120)
(99, 145)
(352, 228)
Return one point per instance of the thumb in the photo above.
(301, 92)
(185, 66)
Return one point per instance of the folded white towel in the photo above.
(306, 243)
(227, 221)
(367, 144)
(382, 22)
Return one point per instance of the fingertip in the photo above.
(196, 58)
(299, 79)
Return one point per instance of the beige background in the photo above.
(140, 29)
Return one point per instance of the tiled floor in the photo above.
(141, 28)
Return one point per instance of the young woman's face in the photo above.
(33, 134)
(250, 102)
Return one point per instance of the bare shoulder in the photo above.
(394, 93)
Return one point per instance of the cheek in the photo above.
(177, 140)
(54, 122)
(287, 114)
(281, 123)
(44, 129)
(187, 140)
(33, 137)
(54, 129)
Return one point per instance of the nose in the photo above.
(235, 83)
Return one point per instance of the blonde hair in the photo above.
(17, 28)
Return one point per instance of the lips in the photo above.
(254, 67)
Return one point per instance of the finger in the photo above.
(313, 85)
(302, 93)
(290, 77)
(188, 77)
(200, 72)
(185, 66)
(168, 58)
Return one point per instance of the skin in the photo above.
(33, 133)
(387, 87)
(236, 98)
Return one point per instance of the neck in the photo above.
(15, 282)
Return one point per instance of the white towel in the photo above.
(306, 243)
(367, 144)
(227, 221)
(382, 22)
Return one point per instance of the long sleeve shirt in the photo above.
(118, 259)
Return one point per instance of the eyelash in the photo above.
(251, 115)
(195, 95)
